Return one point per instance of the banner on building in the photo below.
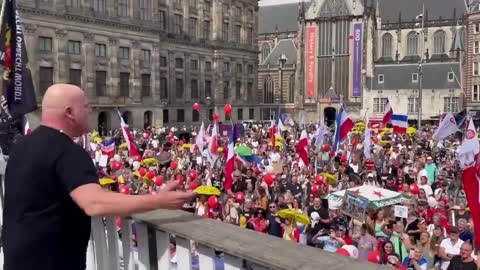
(311, 66)
(18, 96)
(357, 59)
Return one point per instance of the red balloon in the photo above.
(172, 141)
(142, 172)
(124, 189)
(228, 109)
(158, 180)
(180, 178)
(343, 159)
(193, 185)
(170, 135)
(146, 135)
(212, 202)
(325, 148)
(173, 165)
(343, 252)
(150, 175)
(215, 116)
(196, 106)
(375, 140)
(414, 189)
(374, 256)
(320, 179)
(240, 197)
(315, 189)
(180, 142)
(354, 141)
(193, 175)
(269, 178)
(116, 165)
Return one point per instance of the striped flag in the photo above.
(127, 135)
(387, 117)
(302, 148)
(230, 164)
(400, 123)
(108, 148)
(343, 125)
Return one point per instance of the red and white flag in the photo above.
(272, 132)
(302, 147)
(213, 146)
(388, 113)
(127, 135)
(200, 139)
(447, 126)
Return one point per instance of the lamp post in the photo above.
(283, 59)
(420, 95)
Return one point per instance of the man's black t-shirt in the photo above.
(457, 264)
(43, 227)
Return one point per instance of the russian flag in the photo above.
(108, 148)
(230, 164)
(127, 135)
(387, 117)
(400, 123)
(343, 125)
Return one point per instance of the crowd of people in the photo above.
(436, 234)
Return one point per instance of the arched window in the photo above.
(291, 89)
(412, 44)
(265, 51)
(268, 90)
(439, 42)
(387, 45)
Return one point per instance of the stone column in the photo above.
(155, 74)
(89, 64)
(59, 71)
(188, 87)
(113, 75)
(135, 77)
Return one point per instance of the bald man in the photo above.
(52, 190)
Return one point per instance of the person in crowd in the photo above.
(450, 247)
(464, 260)
(415, 260)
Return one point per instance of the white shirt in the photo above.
(427, 188)
(450, 249)
(275, 157)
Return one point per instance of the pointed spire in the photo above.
(377, 9)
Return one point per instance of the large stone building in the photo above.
(472, 59)
(359, 53)
(150, 59)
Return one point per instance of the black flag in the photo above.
(18, 97)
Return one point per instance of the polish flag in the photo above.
(127, 135)
(213, 146)
(302, 148)
(387, 117)
(343, 125)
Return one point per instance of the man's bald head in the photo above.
(65, 107)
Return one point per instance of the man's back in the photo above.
(43, 227)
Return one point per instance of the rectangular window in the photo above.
(178, 24)
(163, 61)
(162, 17)
(99, 6)
(451, 104)
(165, 116)
(122, 8)
(414, 77)
(124, 84)
(124, 53)
(45, 44)
(226, 90)
(476, 92)
(73, 3)
(210, 114)
(237, 33)
(379, 105)
(225, 9)
(226, 66)
(146, 56)
(477, 28)
(179, 63)
(144, 9)
(192, 28)
(239, 114)
(208, 89)
(451, 77)
(45, 76)
(381, 78)
(76, 77)
(208, 66)
(250, 36)
(206, 30)
(101, 83)
(194, 89)
(225, 31)
(163, 88)
(207, 6)
(475, 68)
(238, 90)
(250, 69)
(180, 116)
(251, 114)
(239, 68)
(179, 88)
(250, 91)
(100, 50)
(238, 12)
(194, 64)
(74, 47)
(476, 47)
(412, 105)
(195, 116)
(146, 89)
(250, 14)
(193, 4)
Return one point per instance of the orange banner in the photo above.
(311, 61)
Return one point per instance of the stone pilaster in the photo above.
(89, 64)
(135, 76)
(155, 74)
(113, 75)
(59, 71)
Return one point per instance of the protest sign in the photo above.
(354, 206)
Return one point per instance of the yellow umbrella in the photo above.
(207, 190)
(187, 145)
(278, 144)
(294, 216)
(97, 139)
(106, 181)
(411, 130)
(330, 178)
(149, 161)
(123, 146)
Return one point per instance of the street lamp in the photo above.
(283, 59)
(420, 95)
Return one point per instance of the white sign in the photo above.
(401, 211)
(103, 161)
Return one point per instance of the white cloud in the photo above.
(276, 2)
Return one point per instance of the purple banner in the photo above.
(357, 59)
